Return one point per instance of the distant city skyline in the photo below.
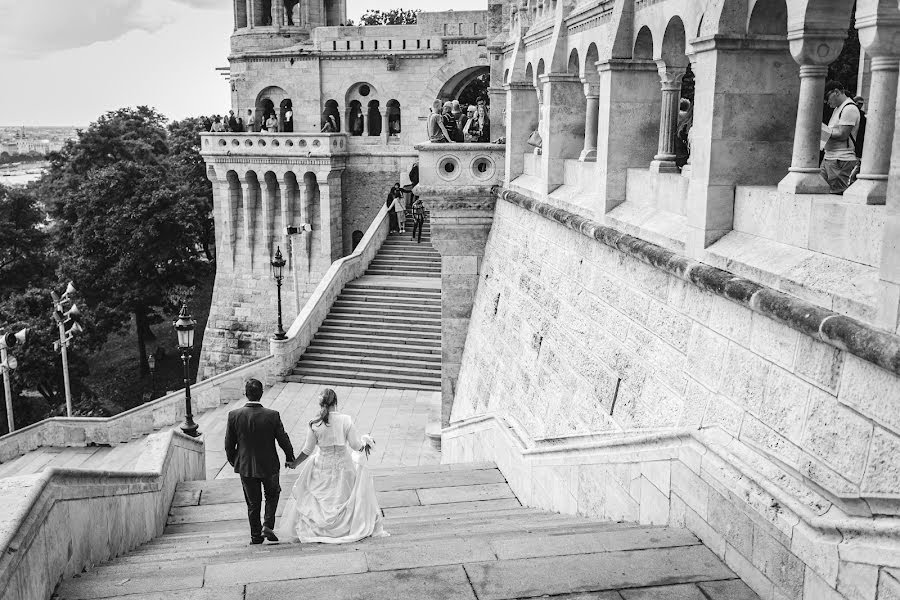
(66, 63)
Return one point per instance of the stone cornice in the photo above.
(839, 331)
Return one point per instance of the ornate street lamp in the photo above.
(278, 273)
(9, 363)
(184, 328)
(151, 362)
(67, 322)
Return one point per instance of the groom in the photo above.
(250, 447)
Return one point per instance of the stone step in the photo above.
(371, 322)
(309, 364)
(389, 296)
(407, 376)
(355, 353)
(408, 257)
(384, 287)
(406, 262)
(399, 273)
(327, 356)
(377, 265)
(335, 380)
(387, 333)
(411, 307)
(387, 320)
(377, 339)
(361, 343)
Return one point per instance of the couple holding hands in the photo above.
(333, 500)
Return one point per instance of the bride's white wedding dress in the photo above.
(333, 500)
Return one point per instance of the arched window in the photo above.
(354, 118)
(356, 238)
(292, 12)
(393, 111)
(374, 116)
(286, 116)
(332, 110)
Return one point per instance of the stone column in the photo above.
(497, 114)
(248, 196)
(365, 119)
(628, 105)
(670, 78)
(521, 120)
(330, 214)
(591, 119)
(277, 11)
(284, 191)
(459, 231)
(226, 222)
(268, 226)
(878, 40)
(813, 55)
(385, 134)
(250, 15)
(564, 110)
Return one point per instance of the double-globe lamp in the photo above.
(184, 328)
(278, 273)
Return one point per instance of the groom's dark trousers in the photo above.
(250, 441)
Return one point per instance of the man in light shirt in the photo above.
(840, 150)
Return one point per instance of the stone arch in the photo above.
(354, 118)
(266, 101)
(540, 71)
(373, 113)
(589, 70)
(574, 65)
(362, 92)
(768, 17)
(457, 83)
(529, 74)
(506, 76)
(332, 110)
(356, 238)
(393, 113)
(674, 44)
(643, 44)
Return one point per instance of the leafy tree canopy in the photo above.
(395, 16)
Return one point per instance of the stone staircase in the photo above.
(384, 330)
(402, 256)
(457, 532)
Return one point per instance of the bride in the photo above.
(333, 500)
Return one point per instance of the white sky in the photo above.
(65, 62)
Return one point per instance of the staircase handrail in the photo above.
(287, 352)
(61, 521)
(130, 424)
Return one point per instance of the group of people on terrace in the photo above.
(268, 123)
(448, 123)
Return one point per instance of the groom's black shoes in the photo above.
(269, 534)
(254, 541)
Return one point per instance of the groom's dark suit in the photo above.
(250, 447)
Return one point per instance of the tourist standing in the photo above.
(272, 123)
(840, 150)
(450, 123)
(397, 207)
(250, 123)
(437, 131)
(288, 121)
(418, 211)
(393, 225)
(232, 122)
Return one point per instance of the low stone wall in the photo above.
(583, 335)
(285, 353)
(141, 420)
(56, 523)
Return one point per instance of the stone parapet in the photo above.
(59, 522)
(139, 421)
(273, 145)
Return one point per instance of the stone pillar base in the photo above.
(867, 191)
(588, 155)
(663, 166)
(806, 181)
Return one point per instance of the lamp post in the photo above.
(184, 329)
(151, 362)
(9, 363)
(278, 273)
(69, 319)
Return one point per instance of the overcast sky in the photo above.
(64, 62)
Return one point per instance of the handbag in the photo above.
(535, 139)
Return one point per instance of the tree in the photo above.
(189, 170)
(395, 16)
(23, 244)
(124, 228)
(476, 89)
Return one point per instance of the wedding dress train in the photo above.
(333, 500)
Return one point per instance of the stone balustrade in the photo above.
(274, 144)
(285, 353)
(59, 522)
(141, 420)
(457, 166)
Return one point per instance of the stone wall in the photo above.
(366, 184)
(578, 336)
(61, 521)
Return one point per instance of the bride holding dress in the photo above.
(333, 500)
